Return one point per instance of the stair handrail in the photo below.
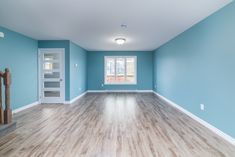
(1, 108)
(6, 116)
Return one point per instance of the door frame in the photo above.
(61, 50)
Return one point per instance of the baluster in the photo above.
(7, 111)
(1, 109)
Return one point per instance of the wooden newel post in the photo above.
(7, 111)
(1, 109)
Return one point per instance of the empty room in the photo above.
(122, 78)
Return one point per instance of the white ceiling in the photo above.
(94, 24)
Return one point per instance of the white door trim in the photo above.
(62, 50)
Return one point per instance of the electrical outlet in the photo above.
(202, 107)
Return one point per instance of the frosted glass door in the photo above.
(52, 76)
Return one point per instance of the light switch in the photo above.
(202, 107)
(1, 35)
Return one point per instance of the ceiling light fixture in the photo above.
(123, 26)
(120, 41)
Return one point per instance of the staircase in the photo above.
(6, 124)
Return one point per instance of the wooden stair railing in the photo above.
(6, 114)
(1, 109)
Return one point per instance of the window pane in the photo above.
(120, 70)
(110, 70)
(51, 93)
(51, 66)
(51, 57)
(51, 74)
(130, 70)
(51, 84)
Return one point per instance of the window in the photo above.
(120, 70)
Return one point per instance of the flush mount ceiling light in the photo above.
(123, 26)
(120, 41)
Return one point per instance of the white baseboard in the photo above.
(75, 99)
(204, 123)
(25, 107)
(37, 103)
(119, 91)
(96, 91)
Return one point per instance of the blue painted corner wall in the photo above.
(75, 77)
(19, 54)
(96, 70)
(78, 70)
(197, 67)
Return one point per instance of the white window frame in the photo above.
(123, 83)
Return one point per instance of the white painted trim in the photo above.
(75, 99)
(25, 107)
(119, 91)
(96, 91)
(204, 123)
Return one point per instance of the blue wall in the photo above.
(96, 71)
(78, 75)
(199, 67)
(19, 53)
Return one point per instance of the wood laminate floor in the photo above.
(111, 125)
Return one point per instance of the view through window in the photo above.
(120, 70)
